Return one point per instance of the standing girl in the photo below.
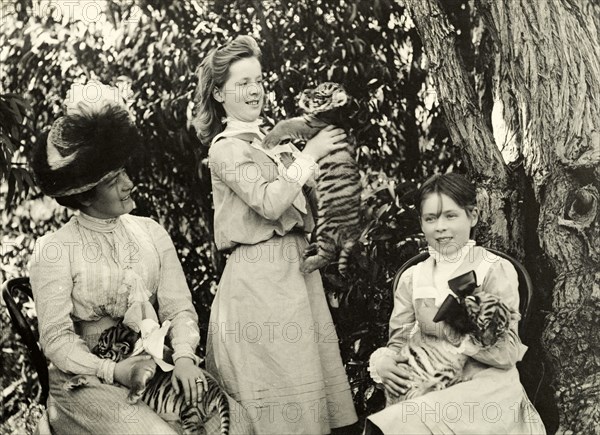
(271, 339)
(491, 399)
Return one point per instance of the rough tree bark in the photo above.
(467, 126)
(547, 115)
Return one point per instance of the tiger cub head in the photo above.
(325, 100)
(490, 316)
(116, 342)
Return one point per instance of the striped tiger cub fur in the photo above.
(436, 364)
(154, 387)
(338, 184)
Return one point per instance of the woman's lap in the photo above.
(99, 408)
(492, 402)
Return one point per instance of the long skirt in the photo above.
(273, 345)
(492, 402)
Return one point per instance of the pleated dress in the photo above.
(271, 341)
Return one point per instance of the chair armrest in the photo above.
(11, 290)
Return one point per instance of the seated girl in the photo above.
(490, 398)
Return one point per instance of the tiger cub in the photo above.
(338, 184)
(155, 389)
(436, 364)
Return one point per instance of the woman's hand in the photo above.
(190, 378)
(396, 379)
(124, 368)
(324, 142)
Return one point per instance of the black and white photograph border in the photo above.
(260, 199)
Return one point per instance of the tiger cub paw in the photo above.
(135, 394)
(270, 140)
(75, 382)
(392, 399)
(310, 264)
(311, 250)
(141, 373)
(428, 387)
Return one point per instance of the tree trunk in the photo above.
(546, 115)
(551, 57)
(468, 128)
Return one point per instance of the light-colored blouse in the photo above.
(419, 293)
(84, 272)
(253, 198)
(489, 377)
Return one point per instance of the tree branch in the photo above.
(465, 120)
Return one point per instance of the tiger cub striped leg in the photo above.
(75, 382)
(344, 255)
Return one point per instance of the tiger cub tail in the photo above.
(215, 398)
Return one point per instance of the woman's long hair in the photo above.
(212, 74)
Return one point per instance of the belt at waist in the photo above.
(294, 231)
(90, 330)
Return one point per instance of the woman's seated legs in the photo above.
(99, 408)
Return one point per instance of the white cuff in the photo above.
(302, 168)
(185, 351)
(374, 360)
(106, 371)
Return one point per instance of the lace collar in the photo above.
(97, 224)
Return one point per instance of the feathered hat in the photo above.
(95, 138)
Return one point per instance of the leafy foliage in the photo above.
(13, 122)
(369, 47)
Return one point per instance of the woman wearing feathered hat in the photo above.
(102, 267)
